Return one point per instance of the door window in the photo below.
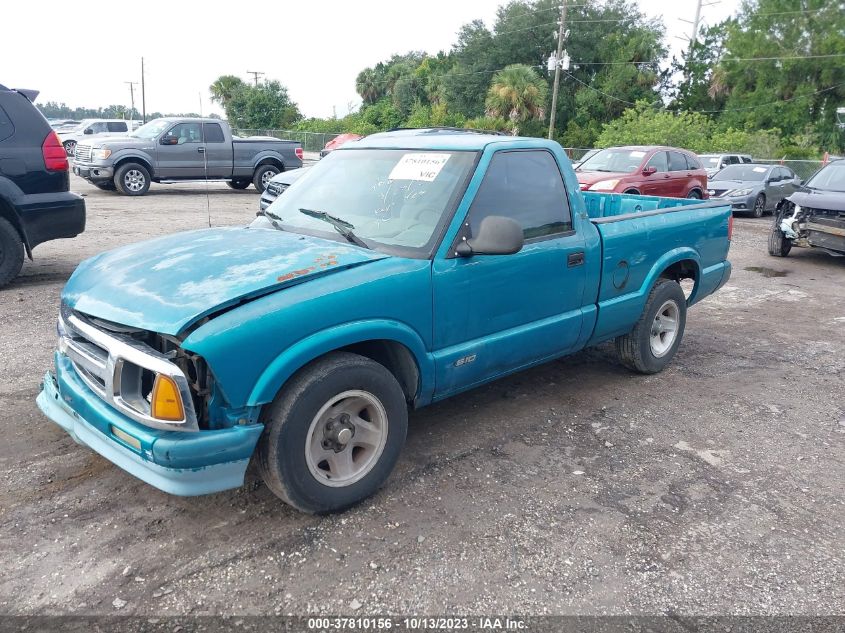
(677, 162)
(659, 162)
(526, 186)
(186, 133)
(693, 162)
(98, 128)
(213, 133)
(117, 126)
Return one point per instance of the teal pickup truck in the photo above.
(401, 270)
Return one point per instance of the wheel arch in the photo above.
(395, 346)
(268, 160)
(134, 159)
(8, 212)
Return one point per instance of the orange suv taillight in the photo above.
(55, 156)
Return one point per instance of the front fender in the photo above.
(122, 155)
(325, 341)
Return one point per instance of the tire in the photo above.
(11, 252)
(632, 192)
(108, 185)
(695, 194)
(263, 174)
(132, 179)
(291, 451)
(238, 184)
(779, 245)
(70, 147)
(759, 206)
(644, 350)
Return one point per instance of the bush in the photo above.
(643, 125)
(760, 143)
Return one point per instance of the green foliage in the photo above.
(518, 94)
(763, 143)
(645, 125)
(262, 107)
(224, 87)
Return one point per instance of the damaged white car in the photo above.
(815, 216)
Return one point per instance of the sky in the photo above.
(314, 48)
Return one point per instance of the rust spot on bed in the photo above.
(296, 273)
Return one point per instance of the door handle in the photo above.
(201, 150)
(575, 259)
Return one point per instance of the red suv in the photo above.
(650, 171)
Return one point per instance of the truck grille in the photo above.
(83, 153)
(121, 369)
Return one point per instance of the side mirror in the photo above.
(88, 130)
(648, 170)
(169, 140)
(497, 235)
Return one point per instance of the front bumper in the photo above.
(180, 463)
(93, 172)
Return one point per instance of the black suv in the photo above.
(35, 202)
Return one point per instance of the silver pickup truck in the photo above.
(180, 149)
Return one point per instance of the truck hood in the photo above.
(116, 142)
(167, 284)
(818, 199)
(592, 177)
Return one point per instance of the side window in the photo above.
(677, 162)
(659, 162)
(6, 127)
(98, 128)
(526, 186)
(186, 133)
(213, 133)
(116, 126)
(733, 160)
(746, 159)
(693, 162)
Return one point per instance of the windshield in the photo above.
(619, 160)
(752, 173)
(830, 178)
(395, 198)
(151, 129)
(710, 161)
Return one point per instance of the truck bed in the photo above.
(643, 235)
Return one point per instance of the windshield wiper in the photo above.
(274, 219)
(341, 226)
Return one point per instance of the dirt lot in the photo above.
(577, 487)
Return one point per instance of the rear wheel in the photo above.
(132, 179)
(70, 147)
(263, 175)
(652, 344)
(239, 184)
(333, 434)
(11, 252)
(695, 194)
(759, 206)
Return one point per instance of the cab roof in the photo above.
(433, 138)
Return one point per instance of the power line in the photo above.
(255, 74)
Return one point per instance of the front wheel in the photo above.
(779, 245)
(759, 206)
(263, 175)
(652, 344)
(70, 147)
(333, 433)
(132, 179)
(695, 194)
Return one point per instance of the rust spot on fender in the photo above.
(296, 273)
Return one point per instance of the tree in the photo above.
(367, 85)
(646, 125)
(263, 107)
(224, 88)
(518, 94)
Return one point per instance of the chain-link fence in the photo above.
(311, 141)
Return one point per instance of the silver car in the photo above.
(754, 188)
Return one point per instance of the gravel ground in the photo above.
(573, 488)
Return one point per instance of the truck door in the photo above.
(496, 313)
(218, 152)
(180, 152)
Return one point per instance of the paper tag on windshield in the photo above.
(759, 170)
(421, 166)
(636, 154)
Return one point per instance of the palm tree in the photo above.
(367, 85)
(518, 94)
(224, 87)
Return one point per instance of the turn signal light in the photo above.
(166, 403)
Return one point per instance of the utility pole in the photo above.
(132, 85)
(560, 37)
(143, 97)
(255, 74)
